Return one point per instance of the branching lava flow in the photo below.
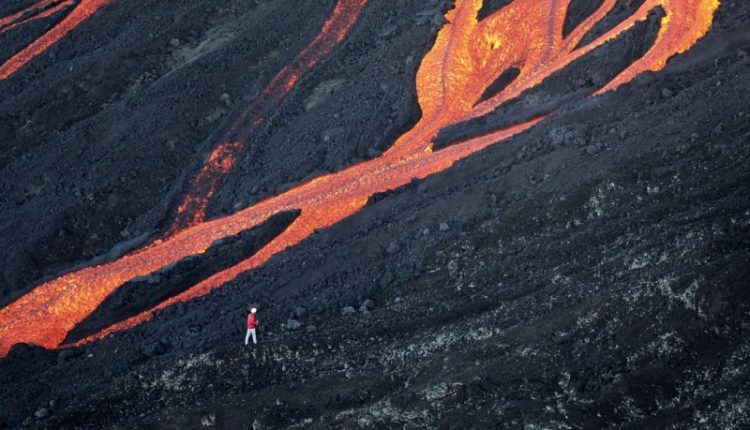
(43, 9)
(468, 55)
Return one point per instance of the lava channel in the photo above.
(202, 187)
(468, 55)
(39, 10)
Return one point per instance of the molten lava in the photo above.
(39, 10)
(43, 9)
(467, 57)
(192, 210)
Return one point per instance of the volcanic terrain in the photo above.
(527, 214)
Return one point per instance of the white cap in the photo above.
(253, 310)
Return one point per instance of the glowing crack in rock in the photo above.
(42, 9)
(468, 55)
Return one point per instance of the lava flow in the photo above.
(36, 11)
(192, 210)
(467, 57)
(43, 9)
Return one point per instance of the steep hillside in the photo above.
(589, 271)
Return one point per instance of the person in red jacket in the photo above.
(252, 322)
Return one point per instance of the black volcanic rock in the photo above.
(146, 292)
(589, 273)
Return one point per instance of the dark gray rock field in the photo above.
(592, 272)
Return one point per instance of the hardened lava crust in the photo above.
(445, 218)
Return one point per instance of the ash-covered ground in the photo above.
(591, 272)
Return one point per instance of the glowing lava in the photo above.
(192, 210)
(42, 9)
(467, 57)
(36, 11)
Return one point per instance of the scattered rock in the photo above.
(66, 355)
(41, 413)
(368, 304)
(299, 312)
(153, 279)
(293, 325)
(174, 42)
(564, 380)
(444, 227)
(208, 420)
(322, 92)
(225, 99)
(348, 311)
(432, 16)
(386, 280)
(333, 134)
(667, 93)
(398, 300)
(393, 248)
(387, 31)
(566, 136)
(453, 267)
(214, 115)
(179, 309)
(155, 348)
(311, 329)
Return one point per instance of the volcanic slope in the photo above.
(590, 272)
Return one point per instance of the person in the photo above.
(252, 322)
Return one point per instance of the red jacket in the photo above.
(251, 321)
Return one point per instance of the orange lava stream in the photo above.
(528, 35)
(202, 187)
(32, 13)
(467, 57)
(80, 13)
(21, 15)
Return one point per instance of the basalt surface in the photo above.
(588, 272)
